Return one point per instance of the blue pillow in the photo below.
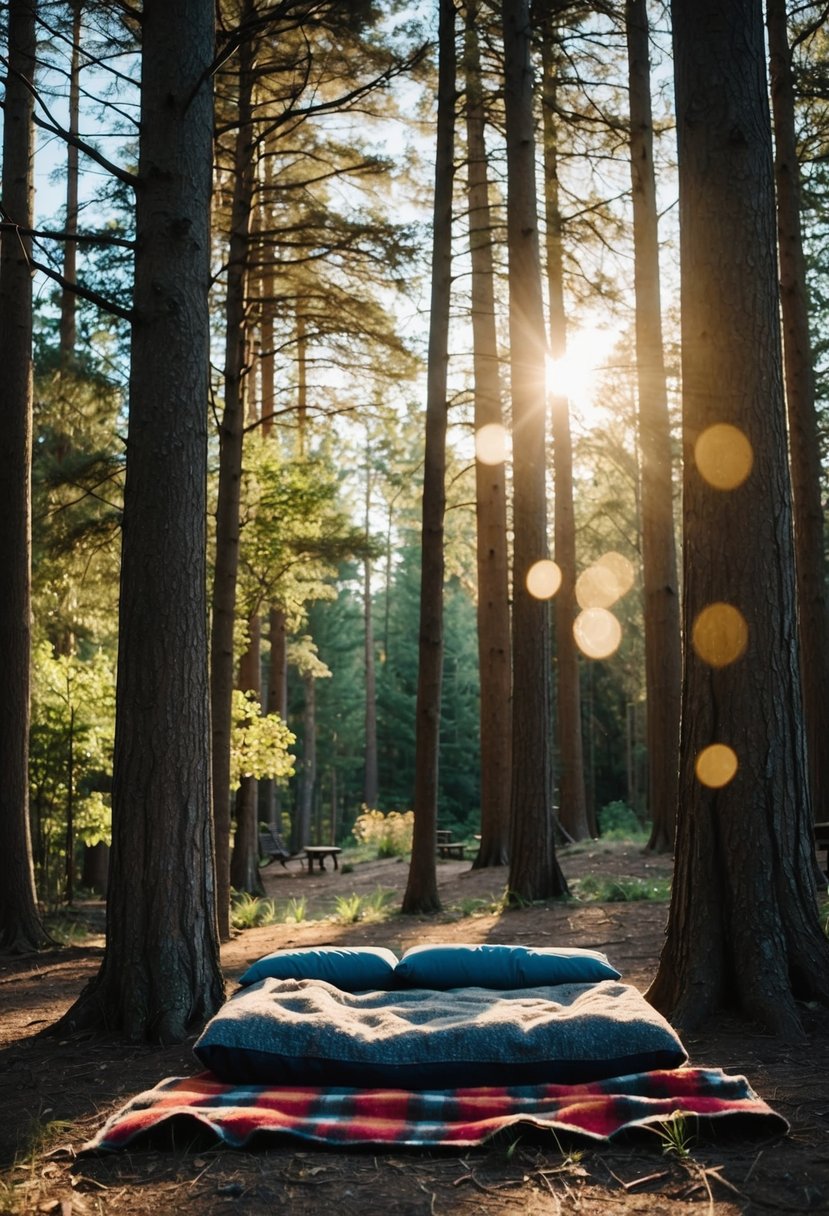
(351, 969)
(486, 966)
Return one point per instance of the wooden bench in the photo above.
(451, 848)
(319, 852)
(822, 842)
(272, 848)
(443, 835)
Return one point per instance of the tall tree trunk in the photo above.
(663, 652)
(20, 927)
(244, 864)
(277, 693)
(573, 812)
(301, 383)
(230, 478)
(370, 780)
(804, 441)
(421, 893)
(276, 699)
(743, 930)
(68, 327)
(490, 486)
(160, 977)
(301, 834)
(69, 871)
(534, 870)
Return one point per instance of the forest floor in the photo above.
(55, 1093)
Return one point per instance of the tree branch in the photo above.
(85, 293)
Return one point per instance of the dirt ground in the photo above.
(54, 1094)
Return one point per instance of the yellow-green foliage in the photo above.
(259, 742)
(391, 833)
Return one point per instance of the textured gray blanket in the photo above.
(304, 1032)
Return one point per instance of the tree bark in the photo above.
(20, 927)
(371, 780)
(301, 834)
(804, 439)
(421, 893)
(663, 652)
(534, 870)
(230, 478)
(160, 977)
(743, 930)
(490, 487)
(277, 694)
(68, 303)
(244, 864)
(572, 798)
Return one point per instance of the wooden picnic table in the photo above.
(319, 852)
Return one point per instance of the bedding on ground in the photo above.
(447, 1046)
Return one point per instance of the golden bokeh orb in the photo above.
(621, 568)
(724, 456)
(543, 579)
(491, 443)
(597, 633)
(720, 634)
(597, 587)
(716, 765)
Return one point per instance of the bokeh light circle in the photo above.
(597, 587)
(724, 456)
(491, 443)
(622, 570)
(543, 579)
(597, 633)
(720, 634)
(716, 765)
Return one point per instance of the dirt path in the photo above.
(54, 1094)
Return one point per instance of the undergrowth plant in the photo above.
(348, 909)
(296, 909)
(248, 911)
(391, 834)
(618, 821)
(602, 889)
(676, 1136)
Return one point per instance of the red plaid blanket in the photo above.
(462, 1117)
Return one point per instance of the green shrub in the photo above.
(296, 909)
(247, 911)
(391, 834)
(602, 889)
(618, 821)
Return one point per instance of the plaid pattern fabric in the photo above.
(460, 1117)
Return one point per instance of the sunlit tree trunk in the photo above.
(68, 326)
(276, 697)
(804, 439)
(160, 977)
(370, 771)
(230, 476)
(20, 927)
(490, 486)
(663, 655)
(277, 702)
(421, 893)
(301, 834)
(743, 930)
(572, 812)
(534, 870)
(244, 863)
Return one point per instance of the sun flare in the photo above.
(576, 375)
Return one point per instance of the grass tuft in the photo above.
(600, 889)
